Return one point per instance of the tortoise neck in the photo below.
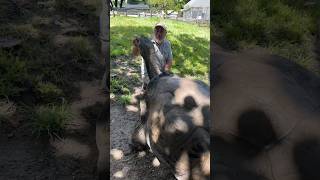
(150, 59)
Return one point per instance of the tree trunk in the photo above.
(101, 125)
(116, 3)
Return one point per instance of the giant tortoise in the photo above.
(266, 117)
(176, 124)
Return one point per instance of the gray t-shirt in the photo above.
(163, 52)
(164, 55)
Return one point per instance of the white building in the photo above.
(197, 10)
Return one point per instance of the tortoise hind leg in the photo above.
(139, 142)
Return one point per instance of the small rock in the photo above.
(141, 154)
(132, 108)
(116, 154)
(155, 162)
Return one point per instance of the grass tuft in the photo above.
(50, 120)
(49, 92)
(81, 49)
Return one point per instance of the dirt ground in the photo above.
(74, 156)
(124, 163)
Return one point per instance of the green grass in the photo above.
(285, 27)
(261, 21)
(81, 50)
(190, 43)
(119, 85)
(50, 120)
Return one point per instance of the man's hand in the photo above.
(135, 48)
(167, 67)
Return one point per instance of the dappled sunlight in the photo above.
(198, 118)
(122, 173)
(141, 136)
(178, 125)
(182, 166)
(132, 108)
(71, 147)
(155, 133)
(141, 154)
(116, 154)
(205, 163)
(155, 162)
(193, 91)
(118, 174)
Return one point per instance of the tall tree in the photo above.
(165, 5)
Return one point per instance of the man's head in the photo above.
(160, 32)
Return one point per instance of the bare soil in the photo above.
(126, 164)
(73, 156)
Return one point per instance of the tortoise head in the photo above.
(142, 46)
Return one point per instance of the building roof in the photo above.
(197, 3)
(135, 7)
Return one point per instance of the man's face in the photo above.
(160, 33)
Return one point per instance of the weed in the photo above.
(119, 85)
(125, 99)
